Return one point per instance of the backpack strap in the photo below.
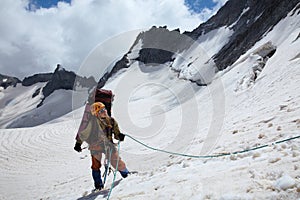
(112, 125)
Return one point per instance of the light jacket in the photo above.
(99, 131)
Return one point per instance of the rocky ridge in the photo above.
(250, 20)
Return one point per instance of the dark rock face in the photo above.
(31, 80)
(6, 81)
(62, 79)
(123, 63)
(160, 44)
(249, 20)
(150, 55)
(37, 92)
(259, 17)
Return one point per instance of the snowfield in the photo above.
(235, 112)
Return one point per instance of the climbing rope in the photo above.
(193, 156)
(214, 155)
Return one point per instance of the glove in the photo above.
(77, 147)
(121, 137)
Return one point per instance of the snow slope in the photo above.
(159, 109)
(15, 101)
(195, 63)
(19, 109)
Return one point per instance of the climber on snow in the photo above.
(99, 135)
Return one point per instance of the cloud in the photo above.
(35, 41)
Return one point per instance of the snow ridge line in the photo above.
(215, 155)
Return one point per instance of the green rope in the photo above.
(115, 173)
(191, 156)
(210, 156)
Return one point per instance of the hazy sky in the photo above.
(38, 34)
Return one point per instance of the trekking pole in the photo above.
(107, 167)
(115, 173)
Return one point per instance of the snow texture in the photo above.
(195, 63)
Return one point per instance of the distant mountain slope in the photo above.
(227, 35)
(67, 80)
(41, 98)
(6, 81)
(216, 45)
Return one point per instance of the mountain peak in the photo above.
(59, 68)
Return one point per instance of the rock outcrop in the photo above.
(63, 79)
(6, 81)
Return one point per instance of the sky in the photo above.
(39, 34)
